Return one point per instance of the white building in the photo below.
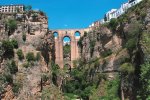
(122, 9)
(133, 2)
(115, 13)
(11, 8)
(111, 14)
(102, 21)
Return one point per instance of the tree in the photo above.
(13, 67)
(34, 17)
(145, 81)
(127, 68)
(30, 56)
(12, 25)
(113, 24)
(105, 18)
(20, 54)
(92, 45)
(38, 56)
(14, 43)
(8, 48)
(28, 8)
(24, 37)
(66, 50)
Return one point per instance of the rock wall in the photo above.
(38, 39)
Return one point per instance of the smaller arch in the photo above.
(55, 34)
(77, 34)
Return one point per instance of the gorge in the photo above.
(109, 61)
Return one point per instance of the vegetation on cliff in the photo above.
(133, 29)
(114, 60)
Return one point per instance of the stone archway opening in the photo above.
(77, 34)
(55, 34)
(66, 49)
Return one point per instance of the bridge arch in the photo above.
(77, 34)
(74, 35)
(55, 34)
(66, 37)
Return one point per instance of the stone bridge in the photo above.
(73, 42)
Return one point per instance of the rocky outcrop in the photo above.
(32, 35)
(100, 43)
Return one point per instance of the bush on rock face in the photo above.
(24, 37)
(12, 25)
(20, 54)
(127, 68)
(38, 56)
(113, 24)
(15, 43)
(13, 67)
(8, 48)
(30, 56)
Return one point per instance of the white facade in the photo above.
(11, 8)
(133, 2)
(122, 9)
(114, 13)
(111, 14)
(102, 21)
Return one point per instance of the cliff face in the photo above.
(101, 43)
(109, 67)
(30, 31)
(115, 49)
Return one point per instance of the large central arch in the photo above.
(59, 35)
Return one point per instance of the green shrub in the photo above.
(112, 89)
(92, 45)
(14, 43)
(123, 18)
(113, 24)
(28, 8)
(38, 56)
(66, 50)
(34, 17)
(80, 43)
(13, 67)
(8, 78)
(24, 37)
(26, 65)
(8, 48)
(1, 89)
(134, 30)
(144, 91)
(30, 56)
(137, 10)
(85, 34)
(143, 15)
(45, 78)
(20, 54)
(106, 53)
(131, 44)
(16, 87)
(12, 25)
(126, 68)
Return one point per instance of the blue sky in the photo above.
(64, 14)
